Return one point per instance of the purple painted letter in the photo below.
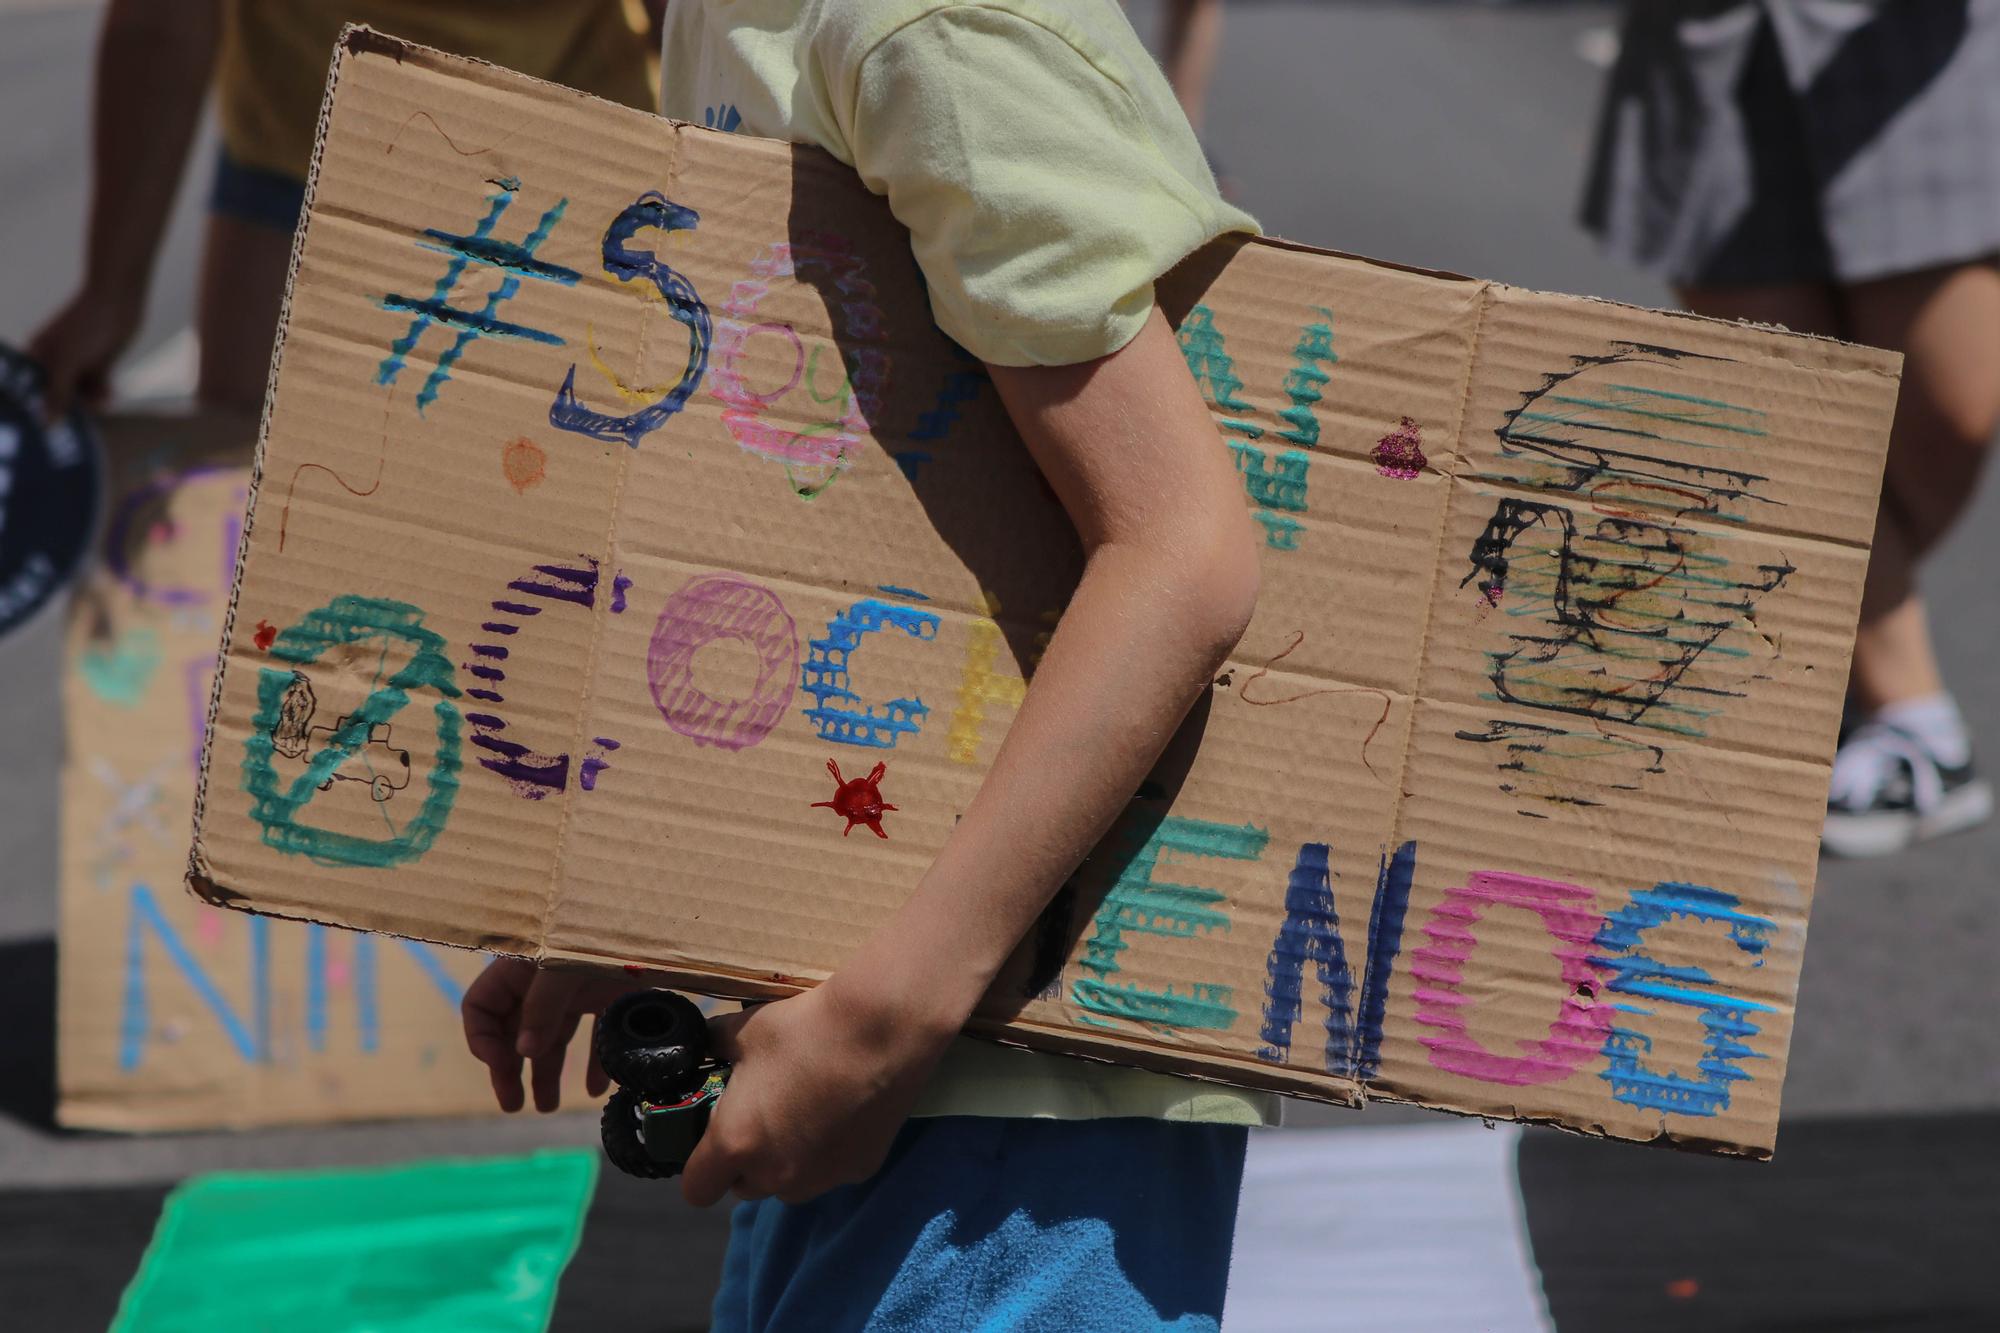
(723, 606)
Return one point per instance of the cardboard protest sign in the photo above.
(173, 1014)
(635, 575)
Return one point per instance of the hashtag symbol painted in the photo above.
(517, 261)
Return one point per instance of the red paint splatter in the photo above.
(1400, 453)
(1684, 1289)
(266, 635)
(859, 801)
(1492, 591)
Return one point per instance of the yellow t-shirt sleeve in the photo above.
(1043, 195)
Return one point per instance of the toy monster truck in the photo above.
(654, 1045)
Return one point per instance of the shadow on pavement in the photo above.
(1878, 1224)
(28, 1041)
(69, 1253)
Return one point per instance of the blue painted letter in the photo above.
(1724, 1017)
(826, 677)
(626, 264)
(1310, 933)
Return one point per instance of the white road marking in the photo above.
(1403, 1227)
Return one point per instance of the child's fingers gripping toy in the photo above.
(654, 1045)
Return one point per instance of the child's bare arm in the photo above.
(824, 1080)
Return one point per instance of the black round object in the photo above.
(619, 1128)
(51, 489)
(653, 1043)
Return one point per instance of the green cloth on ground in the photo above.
(432, 1247)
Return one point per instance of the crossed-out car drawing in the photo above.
(383, 767)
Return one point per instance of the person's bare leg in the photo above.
(1193, 39)
(236, 310)
(1946, 322)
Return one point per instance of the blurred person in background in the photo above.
(1833, 166)
(268, 61)
(1190, 41)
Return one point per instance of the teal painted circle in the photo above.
(278, 806)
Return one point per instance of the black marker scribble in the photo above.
(294, 737)
(1590, 432)
(1550, 765)
(1623, 608)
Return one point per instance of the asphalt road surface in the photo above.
(1441, 135)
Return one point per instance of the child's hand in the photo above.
(515, 1011)
(817, 1095)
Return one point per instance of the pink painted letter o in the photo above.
(1576, 1034)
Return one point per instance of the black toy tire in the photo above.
(619, 1128)
(653, 1043)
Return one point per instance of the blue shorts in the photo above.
(254, 195)
(989, 1223)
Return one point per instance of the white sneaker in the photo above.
(1888, 791)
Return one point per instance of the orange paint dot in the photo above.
(524, 464)
(1684, 1289)
(266, 635)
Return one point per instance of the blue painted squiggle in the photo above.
(1278, 489)
(1208, 360)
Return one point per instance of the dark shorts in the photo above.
(253, 195)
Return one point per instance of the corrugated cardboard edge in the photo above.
(721, 981)
(199, 881)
